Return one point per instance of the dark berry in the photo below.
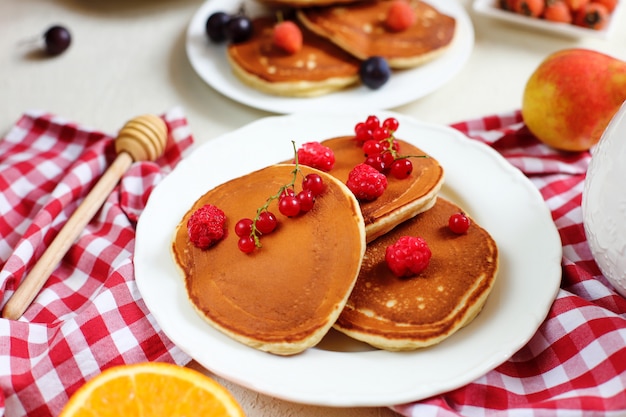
(409, 256)
(206, 226)
(216, 26)
(57, 39)
(374, 72)
(459, 223)
(316, 155)
(366, 182)
(239, 29)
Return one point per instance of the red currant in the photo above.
(314, 183)
(377, 162)
(391, 123)
(372, 122)
(372, 147)
(388, 158)
(380, 134)
(459, 223)
(401, 168)
(287, 192)
(306, 199)
(362, 133)
(243, 227)
(266, 222)
(246, 244)
(289, 206)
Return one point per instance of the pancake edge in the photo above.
(397, 343)
(283, 348)
(394, 63)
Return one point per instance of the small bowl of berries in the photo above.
(567, 18)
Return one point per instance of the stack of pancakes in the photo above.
(337, 36)
(326, 268)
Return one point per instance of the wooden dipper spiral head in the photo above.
(143, 138)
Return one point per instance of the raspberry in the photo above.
(400, 16)
(206, 226)
(409, 256)
(366, 182)
(316, 155)
(288, 36)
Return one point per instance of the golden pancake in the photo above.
(407, 313)
(403, 198)
(318, 68)
(360, 29)
(283, 297)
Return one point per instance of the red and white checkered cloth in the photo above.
(90, 315)
(575, 365)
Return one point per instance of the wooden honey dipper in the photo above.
(141, 139)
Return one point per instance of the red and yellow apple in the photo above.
(571, 97)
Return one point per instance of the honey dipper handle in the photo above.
(35, 280)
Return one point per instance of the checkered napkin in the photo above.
(575, 365)
(89, 316)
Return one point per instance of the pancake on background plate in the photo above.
(318, 68)
(359, 28)
(305, 3)
(403, 198)
(398, 314)
(285, 296)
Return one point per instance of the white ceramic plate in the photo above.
(340, 371)
(490, 9)
(210, 62)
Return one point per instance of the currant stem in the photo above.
(254, 232)
(395, 153)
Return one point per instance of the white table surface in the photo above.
(128, 58)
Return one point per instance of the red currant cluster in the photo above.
(290, 204)
(381, 149)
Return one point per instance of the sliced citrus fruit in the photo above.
(151, 389)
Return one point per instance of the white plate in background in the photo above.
(210, 63)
